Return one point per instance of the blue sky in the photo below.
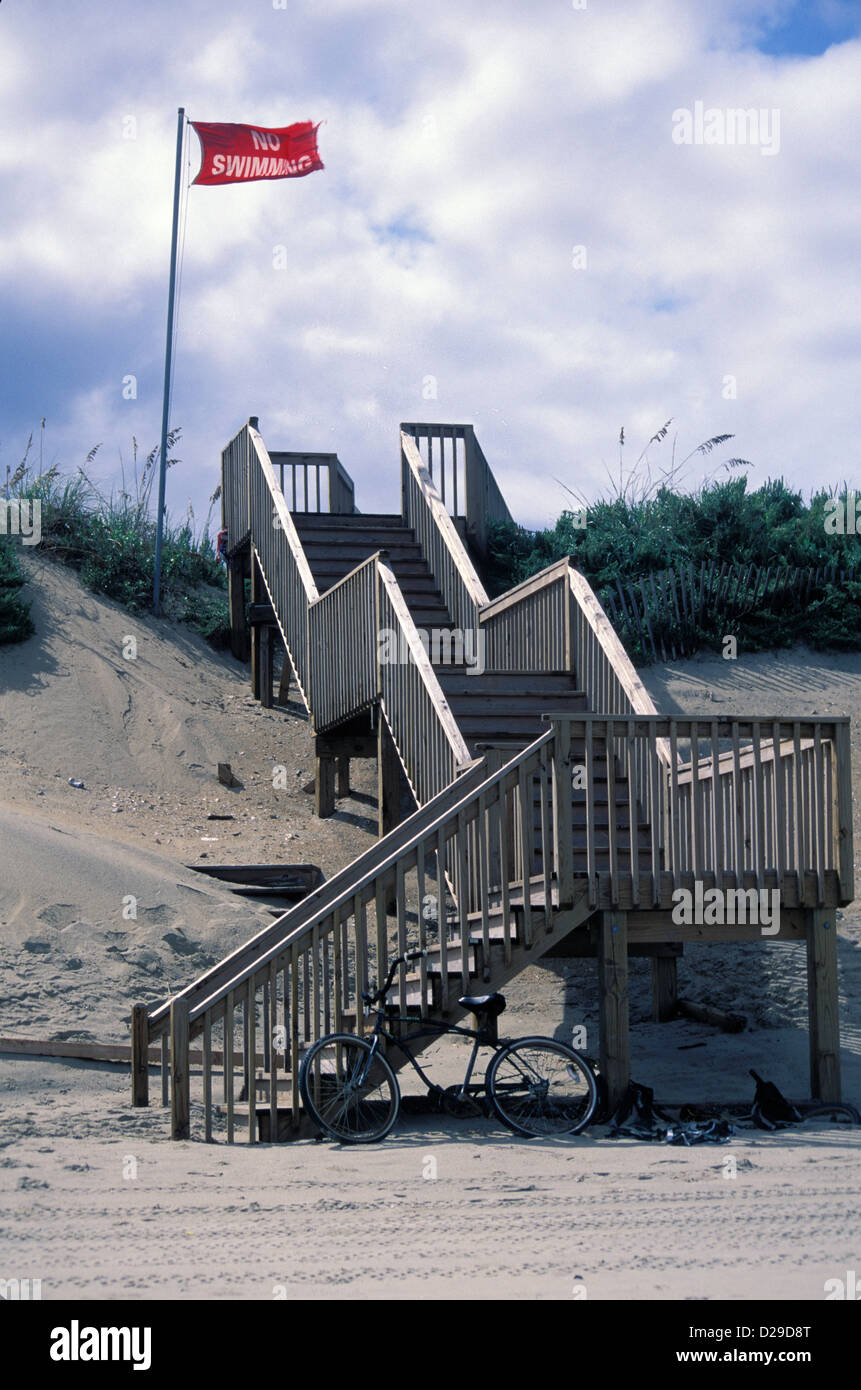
(469, 149)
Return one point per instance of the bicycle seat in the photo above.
(490, 1004)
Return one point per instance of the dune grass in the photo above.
(109, 538)
(646, 523)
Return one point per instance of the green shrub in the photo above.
(15, 621)
(644, 528)
(110, 539)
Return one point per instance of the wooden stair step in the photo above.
(314, 521)
(337, 550)
(478, 704)
(531, 683)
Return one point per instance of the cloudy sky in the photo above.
(510, 230)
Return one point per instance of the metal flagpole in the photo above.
(167, 358)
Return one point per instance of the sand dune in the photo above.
(502, 1218)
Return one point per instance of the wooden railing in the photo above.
(431, 746)
(284, 566)
(529, 627)
(764, 821)
(315, 482)
(334, 639)
(782, 799)
(444, 552)
(365, 649)
(342, 645)
(234, 486)
(466, 485)
(303, 976)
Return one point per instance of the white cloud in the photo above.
(466, 155)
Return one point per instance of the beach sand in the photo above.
(98, 1203)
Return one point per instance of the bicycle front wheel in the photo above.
(348, 1089)
(539, 1087)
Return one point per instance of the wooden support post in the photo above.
(324, 785)
(179, 1074)
(563, 823)
(343, 788)
(613, 1005)
(388, 780)
(665, 988)
(239, 642)
(824, 1024)
(494, 826)
(266, 655)
(256, 597)
(286, 677)
(843, 812)
(140, 1055)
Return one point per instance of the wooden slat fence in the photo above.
(659, 616)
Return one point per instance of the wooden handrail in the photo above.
(444, 552)
(637, 697)
(303, 976)
(340, 492)
(552, 574)
(375, 860)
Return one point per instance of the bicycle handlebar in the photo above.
(368, 998)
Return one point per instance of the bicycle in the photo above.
(537, 1087)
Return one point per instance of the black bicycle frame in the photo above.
(429, 1028)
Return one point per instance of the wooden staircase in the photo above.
(557, 810)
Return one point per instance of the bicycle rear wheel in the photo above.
(539, 1087)
(350, 1093)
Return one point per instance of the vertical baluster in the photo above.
(462, 891)
(165, 1055)
(675, 809)
(818, 806)
(505, 867)
(401, 909)
(798, 802)
(339, 963)
(228, 1062)
(612, 809)
(454, 472)
(546, 840)
(780, 826)
(315, 982)
(697, 818)
(524, 812)
(207, 1076)
(481, 831)
(251, 1056)
(423, 965)
(285, 1014)
(759, 791)
(654, 778)
(270, 1023)
(361, 939)
(719, 857)
(295, 1061)
(442, 914)
(329, 929)
(633, 812)
(307, 1012)
(380, 902)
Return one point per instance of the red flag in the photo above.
(241, 153)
